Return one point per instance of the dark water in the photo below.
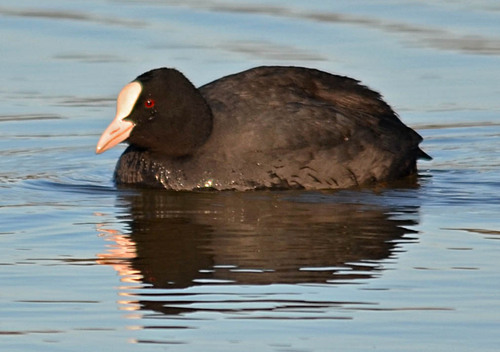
(87, 266)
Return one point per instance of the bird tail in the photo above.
(423, 155)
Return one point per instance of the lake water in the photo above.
(86, 266)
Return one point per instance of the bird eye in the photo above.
(149, 103)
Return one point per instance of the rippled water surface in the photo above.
(86, 266)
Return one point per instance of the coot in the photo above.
(267, 127)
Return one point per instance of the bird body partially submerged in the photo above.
(268, 127)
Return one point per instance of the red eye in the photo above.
(149, 103)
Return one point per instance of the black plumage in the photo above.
(267, 127)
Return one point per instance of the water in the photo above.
(87, 266)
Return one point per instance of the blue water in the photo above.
(86, 266)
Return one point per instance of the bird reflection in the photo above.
(182, 239)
